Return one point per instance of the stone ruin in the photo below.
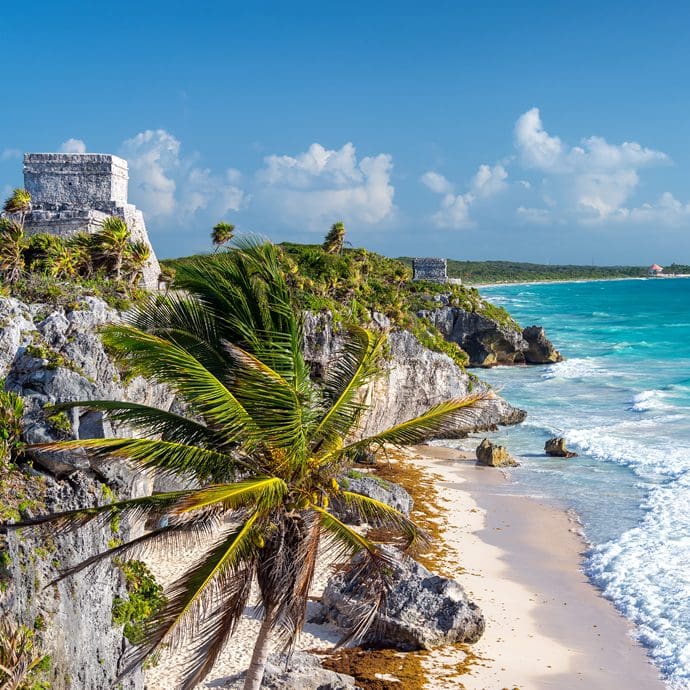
(430, 269)
(75, 192)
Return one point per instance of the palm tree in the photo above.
(136, 256)
(335, 239)
(83, 247)
(266, 444)
(19, 204)
(222, 233)
(12, 246)
(113, 241)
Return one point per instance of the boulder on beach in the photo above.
(304, 671)
(374, 487)
(422, 610)
(557, 448)
(491, 455)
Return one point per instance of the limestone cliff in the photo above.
(48, 358)
(488, 342)
(414, 379)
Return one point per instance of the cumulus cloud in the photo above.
(166, 184)
(540, 216)
(321, 185)
(594, 179)
(454, 211)
(436, 182)
(73, 146)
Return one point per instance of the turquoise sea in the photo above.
(622, 401)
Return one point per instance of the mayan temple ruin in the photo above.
(75, 192)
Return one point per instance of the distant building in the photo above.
(431, 269)
(655, 270)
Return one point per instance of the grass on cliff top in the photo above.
(357, 282)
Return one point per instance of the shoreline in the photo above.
(547, 626)
(574, 280)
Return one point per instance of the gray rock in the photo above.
(387, 492)
(422, 610)
(414, 378)
(303, 671)
(540, 349)
(494, 456)
(556, 447)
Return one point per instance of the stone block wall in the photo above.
(430, 269)
(82, 180)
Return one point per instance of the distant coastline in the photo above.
(575, 280)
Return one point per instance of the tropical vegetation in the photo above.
(267, 445)
(45, 267)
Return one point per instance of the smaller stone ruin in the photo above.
(434, 270)
(75, 192)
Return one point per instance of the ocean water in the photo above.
(622, 401)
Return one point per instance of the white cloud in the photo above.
(454, 212)
(436, 182)
(538, 149)
(489, 180)
(320, 186)
(10, 154)
(591, 181)
(73, 146)
(166, 184)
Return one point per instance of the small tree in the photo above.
(222, 233)
(335, 239)
(113, 241)
(12, 246)
(136, 256)
(18, 204)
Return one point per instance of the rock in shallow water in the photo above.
(422, 610)
(557, 448)
(494, 456)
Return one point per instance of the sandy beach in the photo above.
(547, 627)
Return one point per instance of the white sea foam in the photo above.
(649, 400)
(645, 573)
(576, 368)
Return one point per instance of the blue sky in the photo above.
(500, 130)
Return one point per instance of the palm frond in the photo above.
(196, 601)
(151, 421)
(274, 404)
(368, 573)
(165, 457)
(166, 362)
(442, 418)
(133, 508)
(380, 514)
(263, 493)
(176, 537)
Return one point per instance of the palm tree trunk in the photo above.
(255, 672)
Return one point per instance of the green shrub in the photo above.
(145, 598)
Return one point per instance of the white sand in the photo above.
(546, 626)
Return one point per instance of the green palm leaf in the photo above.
(354, 367)
(208, 587)
(262, 493)
(441, 418)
